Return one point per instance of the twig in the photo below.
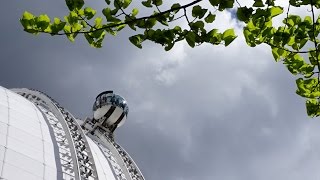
(111, 25)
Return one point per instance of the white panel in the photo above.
(50, 160)
(23, 115)
(32, 115)
(3, 113)
(45, 130)
(14, 97)
(102, 165)
(3, 139)
(23, 162)
(2, 149)
(24, 137)
(18, 106)
(17, 97)
(50, 155)
(12, 172)
(3, 128)
(32, 128)
(34, 152)
(1, 165)
(1, 157)
(105, 165)
(3, 99)
(50, 173)
(48, 147)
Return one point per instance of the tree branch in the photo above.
(111, 25)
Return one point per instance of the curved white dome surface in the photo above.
(26, 146)
(39, 139)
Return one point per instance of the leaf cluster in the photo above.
(295, 43)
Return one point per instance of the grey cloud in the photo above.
(226, 113)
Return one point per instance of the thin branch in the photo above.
(290, 51)
(158, 8)
(86, 22)
(185, 15)
(117, 2)
(111, 25)
(119, 14)
(238, 3)
(314, 38)
(177, 18)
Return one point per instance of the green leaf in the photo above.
(163, 21)
(228, 36)
(275, 11)
(95, 39)
(214, 37)
(74, 4)
(89, 38)
(275, 54)
(168, 46)
(197, 25)
(313, 107)
(244, 13)
(32, 31)
(89, 12)
(72, 18)
(98, 22)
(57, 25)
(147, 24)
(292, 20)
(136, 40)
(258, 3)
(225, 4)
(198, 12)
(27, 20)
(303, 42)
(27, 16)
(147, 3)
(259, 14)
(80, 12)
(312, 55)
(43, 21)
(308, 20)
(57, 21)
(126, 3)
(70, 35)
(214, 2)
(191, 39)
(120, 27)
(291, 41)
(176, 7)
(112, 32)
(177, 29)
(210, 18)
(107, 13)
(76, 27)
(270, 2)
(135, 11)
(98, 34)
(157, 2)
(308, 88)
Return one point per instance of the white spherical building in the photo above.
(40, 140)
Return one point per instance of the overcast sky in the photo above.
(195, 114)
